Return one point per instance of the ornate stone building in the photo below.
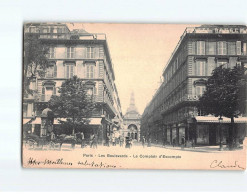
(172, 112)
(132, 121)
(74, 52)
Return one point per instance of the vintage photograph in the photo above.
(134, 96)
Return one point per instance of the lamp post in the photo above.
(220, 121)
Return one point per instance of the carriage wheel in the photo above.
(31, 143)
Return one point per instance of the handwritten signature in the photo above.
(220, 164)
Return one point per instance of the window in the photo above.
(70, 52)
(238, 46)
(211, 48)
(51, 71)
(90, 92)
(90, 52)
(221, 48)
(200, 47)
(90, 70)
(69, 70)
(223, 63)
(244, 48)
(51, 53)
(201, 68)
(231, 48)
(200, 90)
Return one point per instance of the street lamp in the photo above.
(220, 121)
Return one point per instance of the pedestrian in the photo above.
(91, 140)
(164, 142)
(143, 141)
(113, 141)
(174, 142)
(193, 143)
(107, 141)
(149, 142)
(121, 141)
(182, 142)
(82, 139)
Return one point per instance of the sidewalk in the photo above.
(207, 149)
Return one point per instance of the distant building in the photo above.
(132, 121)
(72, 53)
(172, 112)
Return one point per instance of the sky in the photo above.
(139, 54)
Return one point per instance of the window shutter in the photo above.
(238, 44)
(54, 90)
(43, 90)
(68, 50)
(67, 72)
(206, 69)
(55, 70)
(71, 71)
(224, 48)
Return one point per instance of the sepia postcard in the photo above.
(134, 96)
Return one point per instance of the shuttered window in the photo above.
(201, 68)
(52, 53)
(200, 47)
(244, 48)
(231, 48)
(70, 52)
(211, 48)
(238, 46)
(221, 48)
(90, 70)
(90, 52)
(70, 71)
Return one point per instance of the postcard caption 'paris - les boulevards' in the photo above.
(134, 96)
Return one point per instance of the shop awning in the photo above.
(212, 119)
(26, 120)
(95, 121)
(37, 120)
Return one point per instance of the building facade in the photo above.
(73, 53)
(131, 121)
(172, 112)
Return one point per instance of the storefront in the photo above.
(208, 128)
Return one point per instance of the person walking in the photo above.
(143, 141)
(82, 139)
(182, 142)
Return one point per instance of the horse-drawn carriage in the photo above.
(35, 141)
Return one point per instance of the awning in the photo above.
(212, 119)
(37, 120)
(26, 120)
(95, 121)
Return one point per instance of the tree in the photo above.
(73, 103)
(225, 95)
(35, 59)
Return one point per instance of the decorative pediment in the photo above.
(50, 83)
(200, 82)
(89, 83)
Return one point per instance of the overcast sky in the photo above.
(139, 53)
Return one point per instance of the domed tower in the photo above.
(132, 120)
